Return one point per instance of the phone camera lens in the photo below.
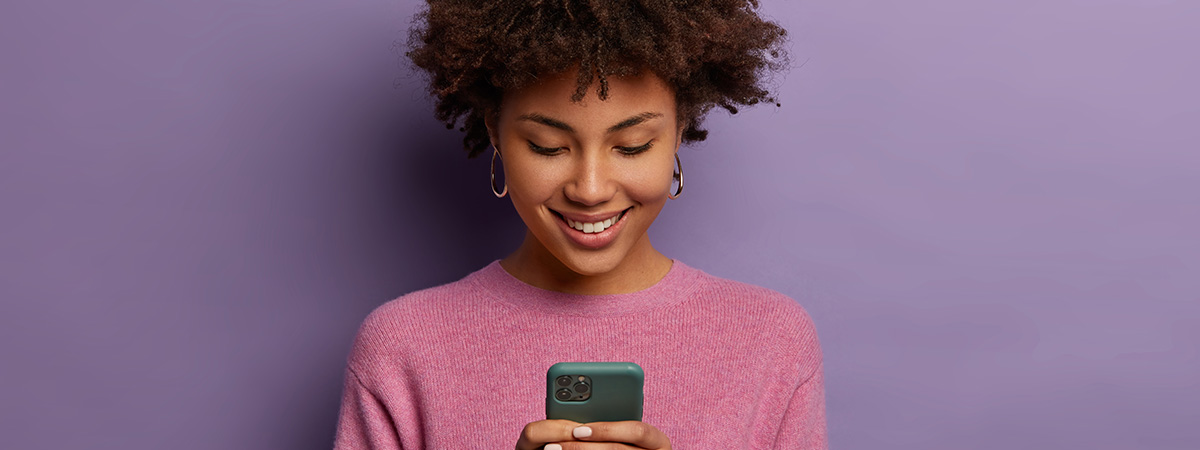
(563, 381)
(563, 394)
(581, 388)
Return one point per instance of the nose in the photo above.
(591, 180)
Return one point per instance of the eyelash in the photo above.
(543, 150)
(628, 151)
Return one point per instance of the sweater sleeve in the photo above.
(803, 424)
(364, 423)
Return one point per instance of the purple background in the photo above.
(989, 207)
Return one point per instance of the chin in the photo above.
(591, 265)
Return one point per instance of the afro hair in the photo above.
(712, 52)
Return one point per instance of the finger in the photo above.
(577, 445)
(630, 432)
(535, 434)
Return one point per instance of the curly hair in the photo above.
(712, 52)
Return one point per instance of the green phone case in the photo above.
(615, 391)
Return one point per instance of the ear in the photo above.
(679, 136)
(489, 122)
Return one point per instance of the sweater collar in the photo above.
(675, 287)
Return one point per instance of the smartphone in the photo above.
(594, 391)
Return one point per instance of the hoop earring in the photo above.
(499, 193)
(678, 175)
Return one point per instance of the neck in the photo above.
(533, 264)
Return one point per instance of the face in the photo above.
(588, 178)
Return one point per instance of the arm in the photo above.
(803, 425)
(363, 423)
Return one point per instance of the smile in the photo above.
(592, 227)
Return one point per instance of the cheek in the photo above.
(650, 184)
(525, 194)
(526, 184)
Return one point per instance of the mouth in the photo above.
(592, 232)
(592, 227)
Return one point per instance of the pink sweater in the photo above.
(463, 366)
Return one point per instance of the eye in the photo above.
(636, 150)
(544, 150)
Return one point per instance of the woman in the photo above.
(584, 105)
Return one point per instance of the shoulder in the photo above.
(751, 301)
(760, 313)
(394, 327)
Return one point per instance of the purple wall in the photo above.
(989, 207)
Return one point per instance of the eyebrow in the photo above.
(635, 120)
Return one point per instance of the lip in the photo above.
(589, 218)
(591, 240)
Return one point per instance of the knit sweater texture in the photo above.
(463, 365)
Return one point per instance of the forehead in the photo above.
(627, 96)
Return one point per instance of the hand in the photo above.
(568, 435)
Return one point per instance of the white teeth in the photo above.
(595, 227)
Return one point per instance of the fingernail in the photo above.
(553, 447)
(582, 432)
